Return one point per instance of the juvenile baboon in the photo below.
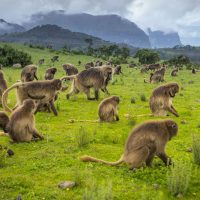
(118, 70)
(158, 76)
(174, 72)
(96, 78)
(21, 127)
(45, 91)
(4, 120)
(29, 73)
(41, 61)
(49, 74)
(144, 142)
(161, 99)
(89, 65)
(70, 69)
(54, 59)
(108, 109)
(3, 85)
(194, 70)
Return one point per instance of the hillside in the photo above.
(108, 27)
(6, 27)
(53, 35)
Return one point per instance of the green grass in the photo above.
(37, 168)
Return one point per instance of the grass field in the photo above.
(37, 168)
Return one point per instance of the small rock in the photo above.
(198, 100)
(17, 65)
(127, 116)
(189, 150)
(180, 196)
(183, 121)
(156, 186)
(66, 184)
(10, 152)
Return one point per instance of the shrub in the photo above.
(3, 154)
(143, 97)
(179, 177)
(82, 137)
(133, 100)
(196, 149)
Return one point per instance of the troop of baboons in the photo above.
(145, 141)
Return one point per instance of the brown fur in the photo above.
(108, 110)
(161, 99)
(174, 72)
(4, 120)
(49, 74)
(117, 70)
(29, 73)
(41, 61)
(144, 142)
(3, 85)
(153, 67)
(45, 91)
(89, 65)
(70, 69)
(194, 70)
(21, 127)
(158, 76)
(96, 78)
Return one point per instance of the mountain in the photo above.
(159, 39)
(6, 27)
(108, 27)
(53, 35)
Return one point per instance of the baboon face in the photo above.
(172, 128)
(53, 70)
(108, 73)
(173, 90)
(58, 84)
(29, 103)
(34, 71)
(117, 99)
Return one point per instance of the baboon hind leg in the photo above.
(52, 106)
(73, 91)
(87, 92)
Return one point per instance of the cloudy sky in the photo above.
(182, 16)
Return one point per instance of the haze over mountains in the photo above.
(111, 28)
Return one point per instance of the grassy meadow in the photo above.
(37, 168)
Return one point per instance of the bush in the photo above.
(10, 56)
(3, 154)
(196, 149)
(82, 137)
(143, 97)
(179, 177)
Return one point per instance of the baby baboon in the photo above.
(41, 61)
(29, 73)
(158, 76)
(70, 69)
(118, 70)
(144, 142)
(55, 58)
(49, 74)
(89, 65)
(96, 78)
(161, 99)
(4, 119)
(108, 109)
(45, 91)
(3, 85)
(174, 72)
(21, 127)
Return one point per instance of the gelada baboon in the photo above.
(3, 85)
(55, 58)
(21, 127)
(29, 73)
(70, 69)
(194, 70)
(158, 76)
(4, 120)
(108, 109)
(45, 91)
(49, 74)
(41, 61)
(174, 72)
(96, 78)
(161, 99)
(117, 70)
(89, 65)
(144, 142)
(154, 67)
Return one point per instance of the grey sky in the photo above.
(182, 16)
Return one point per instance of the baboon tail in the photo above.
(92, 159)
(68, 77)
(74, 120)
(5, 95)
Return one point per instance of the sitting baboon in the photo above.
(174, 72)
(45, 91)
(96, 78)
(154, 67)
(54, 59)
(144, 69)
(108, 109)
(158, 76)
(21, 127)
(41, 61)
(49, 74)
(89, 65)
(161, 99)
(98, 63)
(17, 65)
(132, 65)
(194, 70)
(70, 69)
(117, 70)
(144, 143)
(29, 73)
(3, 85)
